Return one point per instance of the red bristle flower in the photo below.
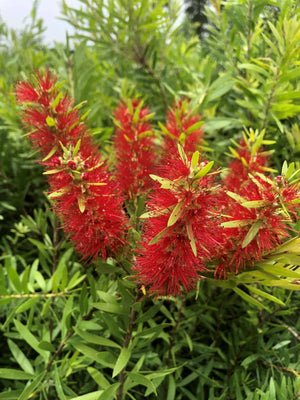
(181, 230)
(85, 197)
(182, 126)
(243, 164)
(256, 221)
(135, 148)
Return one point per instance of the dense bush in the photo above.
(77, 330)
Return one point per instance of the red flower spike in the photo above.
(85, 197)
(248, 159)
(183, 127)
(181, 231)
(135, 148)
(256, 222)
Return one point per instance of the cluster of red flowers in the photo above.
(135, 148)
(199, 220)
(85, 196)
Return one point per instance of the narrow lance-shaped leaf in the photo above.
(182, 154)
(77, 147)
(252, 233)
(195, 159)
(122, 361)
(191, 237)
(176, 213)
(204, 171)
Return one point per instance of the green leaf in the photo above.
(176, 213)
(29, 391)
(194, 127)
(250, 299)
(50, 154)
(110, 392)
(142, 380)
(248, 360)
(52, 171)
(44, 345)
(122, 361)
(26, 305)
(96, 339)
(171, 388)
(159, 236)
(237, 223)
(50, 121)
(10, 395)
(278, 270)
(89, 396)
(102, 357)
(268, 296)
(284, 168)
(77, 147)
(20, 357)
(236, 197)
(57, 100)
(182, 154)
(81, 203)
(165, 183)
(195, 159)
(165, 131)
(205, 170)
(191, 237)
(252, 233)
(109, 307)
(58, 385)
(30, 339)
(15, 374)
(98, 377)
(254, 203)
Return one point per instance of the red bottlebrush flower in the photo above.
(85, 197)
(246, 161)
(256, 222)
(135, 148)
(181, 232)
(183, 127)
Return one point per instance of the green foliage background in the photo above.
(71, 331)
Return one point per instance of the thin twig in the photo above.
(33, 295)
(64, 342)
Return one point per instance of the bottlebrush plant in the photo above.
(200, 222)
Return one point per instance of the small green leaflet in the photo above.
(194, 127)
(176, 213)
(165, 183)
(254, 204)
(81, 203)
(191, 237)
(238, 223)
(77, 147)
(153, 214)
(56, 100)
(50, 121)
(53, 171)
(159, 236)
(205, 170)
(165, 130)
(182, 154)
(195, 159)
(121, 361)
(252, 233)
(51, 152)
(236, 197)
(59, 192)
